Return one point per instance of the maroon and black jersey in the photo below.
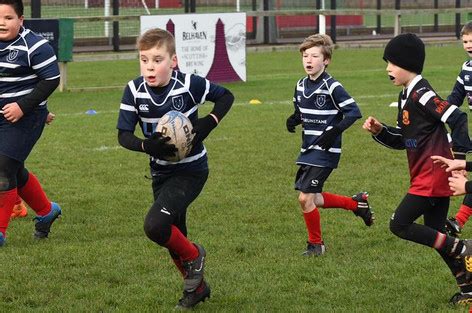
(421, 130)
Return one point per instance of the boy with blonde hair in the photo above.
(325, 110)
(158, 90)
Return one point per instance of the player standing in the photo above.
(29, 74)
(421, 130)
(175, 184)
(325, 110)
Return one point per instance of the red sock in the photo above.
(33, 194)
(18, 199)
(313, 226)
(180, 245)
(179, 265)
(463, 215)
(7, 202)
(332, 200)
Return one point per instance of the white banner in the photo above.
(209, 45)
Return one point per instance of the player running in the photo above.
(325, 110)
(30, 73)
(175, 184)
(421, 130)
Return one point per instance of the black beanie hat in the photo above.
(406, 51)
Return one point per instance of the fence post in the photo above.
(265, 7)
(65, 47)
(333, 21)
(116, 26)
(436, 19)
(379, 17)
(397, 27)
(190, 6)
(458, 20)
(35, 8)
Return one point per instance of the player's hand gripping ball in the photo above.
(178, 127)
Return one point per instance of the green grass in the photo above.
(98, 258)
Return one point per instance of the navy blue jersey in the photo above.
(322, 104)
(463, 86)
(24, 61)
(184, 93)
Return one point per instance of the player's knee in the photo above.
(304, 200)
(5, 183)
(157, 226)
(398, 229)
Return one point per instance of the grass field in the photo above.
(98, 258)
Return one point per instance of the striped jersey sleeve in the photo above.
(463, 86)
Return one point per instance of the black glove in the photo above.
(292, 121)
(157, 146)
(202, 128)
(327, 138)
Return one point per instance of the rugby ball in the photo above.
(178, 127)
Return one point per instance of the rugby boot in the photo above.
(19, 210)
(363, 208)
(190, 299)
(461, 298)
(453, 228)
(43, 223)
(194, 270)
(314, 249)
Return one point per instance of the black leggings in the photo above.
(172, 196)
(13, 173)
(434, 211)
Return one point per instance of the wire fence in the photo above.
(285, 26)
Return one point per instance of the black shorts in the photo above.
(18, 139)
(176, 191)
(310, 179)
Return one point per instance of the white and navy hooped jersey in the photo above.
(25, 61)
(463, 86)
(184, 93)
(322, 103)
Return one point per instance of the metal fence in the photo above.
(114, 24)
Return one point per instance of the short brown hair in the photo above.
(466, 29)
(319, 40)
(156, 37)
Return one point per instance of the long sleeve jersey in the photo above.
(322, 104)
(421, 130)
(463, 86)
(185, 93)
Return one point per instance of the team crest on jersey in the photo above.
(12, 55)
(178, 103)
(466, 78)
(320, 101)
(406, 117)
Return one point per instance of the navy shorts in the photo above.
(18, 139)
(310, 179)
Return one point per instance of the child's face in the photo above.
(314, 62)
(10, 23)
(156, 65)
(398, 75)
(467, 44)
